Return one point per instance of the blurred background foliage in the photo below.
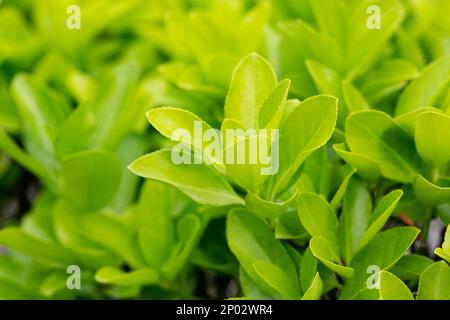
(72, 117)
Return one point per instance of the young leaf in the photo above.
(444, 252)
(308, 268)
(252, 82)
(434, 282)
(272, 109)
(90, 179)
(317, 216)
(46, 252)
(154, 211)
(312, 122)
(366, 168)
(251, 240)
(325, 252)
(278, 279)
(410, 267)
(389, 78)
(382, 251)
(375, 135)
(423, 91)
(354, 218)
(41, 112)
(188, 233)
(315, 291)
(198, 181)
(433, 138)
(429, 193)
(380, 215)
(169, 122)
(392, 288)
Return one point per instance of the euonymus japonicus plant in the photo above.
(291, 204)
(412, 147)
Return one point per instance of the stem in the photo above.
(426, 223)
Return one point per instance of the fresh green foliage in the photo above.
(287, 149)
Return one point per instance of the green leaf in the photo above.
(314, 175)
(251, 240)
(354, 218)
(392, 288)
(315, 291)
(46, 252)
(330, 18)
(103, 121)
(277, 279)
(188, 234)
(90, 179)
(268, 209)
(156, 234)
(198, 181)
(326, 80)
(317, 216)
(424, 90)
(359, 37)
(433, 138)
(250, 31)
(290, 227)
(324, 251)
(388, 79)
(380, 215)
(271, 112)
(115, 276)
(410, 267)
(429, 193)
(249, 288)
(312, 123)
(69, 232)
(434, 282)
(252, 163)
(181, 125)
(408, 120)
(375, 135)
(444, 252)
(308, 268)
(108, 231)
(354, 99)
(252, 82)
(41, 112)
(382, 251)
(28, 162)
(409, 48)
(366, 168)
